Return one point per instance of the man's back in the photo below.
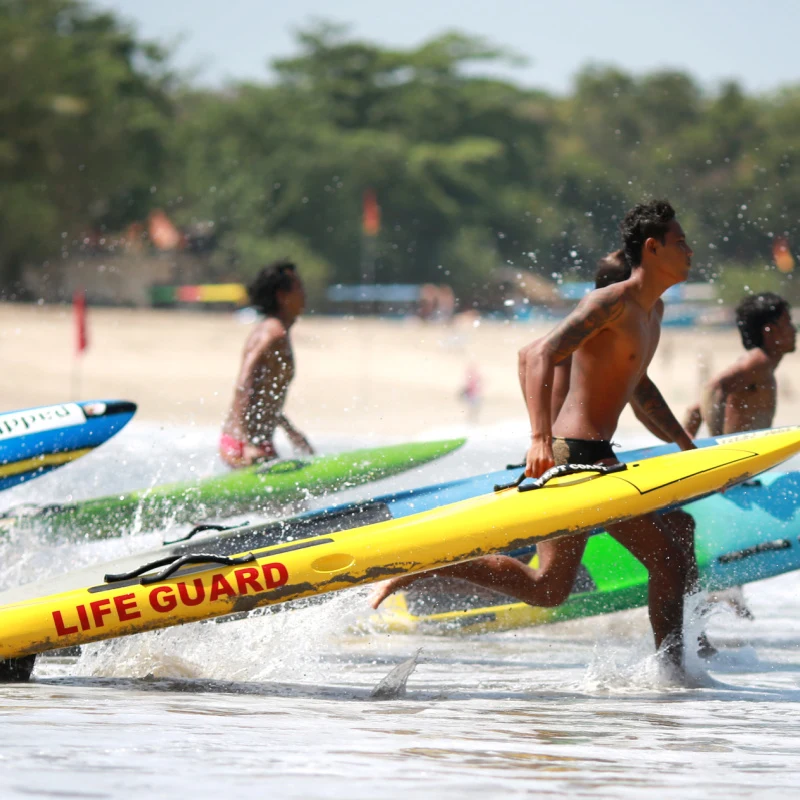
(266, 372)
(751, 404)
(274, 364)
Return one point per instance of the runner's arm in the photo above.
(538, 362)
(653, 405)
(561, 380)
(693, 419)
(647, 422)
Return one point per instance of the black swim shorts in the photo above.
(581, 451)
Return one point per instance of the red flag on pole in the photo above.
(81, 330)
(371, 223)
(163, 234)
(782, 255)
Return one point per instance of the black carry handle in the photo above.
(499, 487)
(280, 466)
(200, 528)
(174, 563)
(560, 472)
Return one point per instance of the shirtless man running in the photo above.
(744, 396)
(612, 268)
(611, 336)
(267, 370)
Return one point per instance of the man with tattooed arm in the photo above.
(612, 336)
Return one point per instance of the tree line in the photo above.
(470, 172)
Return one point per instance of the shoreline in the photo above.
(382, 377)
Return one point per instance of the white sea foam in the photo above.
(278, 703)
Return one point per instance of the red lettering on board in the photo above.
(168, 602)
(220, 586)
(247, 577)
(280, 577)
(125, 605)
(61, 628)
(100, 609)
(83, 617)
(199, 593)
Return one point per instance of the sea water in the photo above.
(281, 705)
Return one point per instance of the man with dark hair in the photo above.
(267, 370)
(612, 336)
(744, 396)
(612, 268)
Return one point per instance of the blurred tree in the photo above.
(468, 259)
(470, 172)
(81, 127)
(440, 149)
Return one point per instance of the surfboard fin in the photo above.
(394, 684)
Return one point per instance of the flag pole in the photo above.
(81, 339)
(370, 227)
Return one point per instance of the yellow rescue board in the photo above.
(489, 524)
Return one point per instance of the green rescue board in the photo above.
(749, 533)
(254, 489)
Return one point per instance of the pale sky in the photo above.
(753, 41)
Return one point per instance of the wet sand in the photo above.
(387, 378)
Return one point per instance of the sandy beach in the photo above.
(387, 378)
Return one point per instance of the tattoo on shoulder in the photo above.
(588, 318)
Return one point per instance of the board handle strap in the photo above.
(174, 563)
(559, 472)
(200, 528)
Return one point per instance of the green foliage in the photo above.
(81, 126)
(736, 282)
(468, 259)
(470, 172)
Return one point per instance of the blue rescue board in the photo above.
(34, 441)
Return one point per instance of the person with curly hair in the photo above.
(266, 371)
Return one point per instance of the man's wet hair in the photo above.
(276, 277)
(611, 269)
(756, 311)
(642, 222)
